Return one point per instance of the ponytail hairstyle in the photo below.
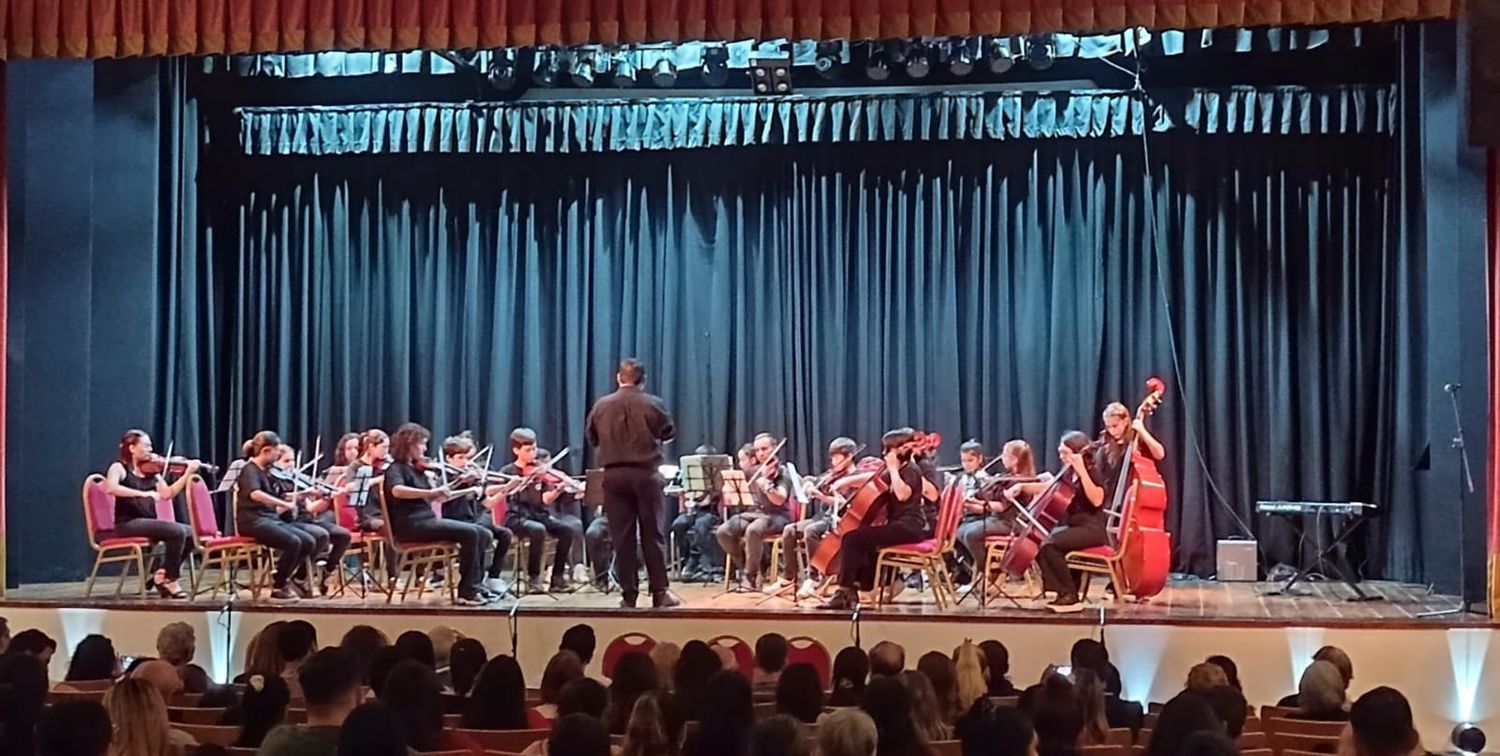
(1075, 440)
(404, 441)
(372, 438)
(131, 437)
(460, 444)
(1025, 460)
(258, 443)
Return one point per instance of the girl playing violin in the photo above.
(314, 516)
(989, 508)
(259, 504)
(458, 452)
(136, 492)
(905, 522)
(361, 476)
(743, 536)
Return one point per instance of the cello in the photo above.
(861, 509)
(1141, 497)
(1041, 516)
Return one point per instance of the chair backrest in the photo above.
(950, 509)
(1253, 740)
(948, 747)
(343, 514)
(219, 735)
(385, 516)
(1122, 736)
(805, 650)
(1284, 741)
(201, 511)
(744, 655)
(621, 646)
(98, 508)
(764, 710)
(61, 695)
(1275, 712)
(1107, 749)
(513, 741)
(194, 715)
(1256, 751)
(1305, 727)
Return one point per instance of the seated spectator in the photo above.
(780, 735)
(580, 640)
(1320, 694)
(34, 642)
(263, 656)
(695, 667)
(499, 698)
(1187, 713)
(176, 644)
(997, 660)
(296, 641)
(1057, 716)
(1335, 656)
(332, 686)
(139, 717)
(160, 675)
(413, 691)
(94, 658)
(888, 701)
(968, 666)
(851, 670)
(653, 729)
(888, 659)
(23, 693)
(465, 660)
(4, 636)
(578, 735)
(1088, 690)
(770, 658)
(847, 732)
(728, 714)
(727, 660)
(1232, 709)
(364, 642)
(1231, 670)
(386, 660)
(583, 696)
(799, 693)
(373, 729)
(1209, 744)
(634, 676)
(925, 713)
(416, 646)
(564, 667)
(991, 730)
(71, 728)
(665, 655)
(1091, 655)
(194, 679)
(262, 707)
(1380, 724)
(1204, 677)
(943, 675)
(443, 637)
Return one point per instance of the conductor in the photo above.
(627, 428)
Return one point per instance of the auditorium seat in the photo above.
(744, 655)
(1109, 749)
(1121, 736)
(621, 646)
(1305, 727)
(219, 735)
(513, 741)
(1253, 740)
(194, 715)
(1289, 745)
(57, 695)
(948, 748)
(805, 650)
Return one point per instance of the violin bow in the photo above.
(762, 469)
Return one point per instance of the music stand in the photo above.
(702, 474)
(736, 491)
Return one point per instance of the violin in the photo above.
(301, 481)
(157, 464)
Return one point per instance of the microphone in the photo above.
(515, 609)
(1452, 387)
(854, 618)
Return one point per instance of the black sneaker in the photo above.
(845, 599)
(560, 584)
(665, 600)
(284, 594)
(535, 585)
(469, 601)
(627, 602)
(1066, 603)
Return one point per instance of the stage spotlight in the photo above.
(1041, 51)
(876, 65)
(998, 55)
(664, 73)
(1468, 739)
(547, 67)
(771, 76)
(582, 69)
(829, 55)
(716, 65)
(502, 73)
(625, 70)
(918, 61)
(961, 57)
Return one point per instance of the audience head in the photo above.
(1090, 654)
(23, 692)
(443, 638)
(851, 670)
(176, 644)
(413, 691)
(990, 730)
(263, 656)
(160, 675)
(584, 695)
(942, 673)
(1088, 690)
(727, 660)
(1231, 707)
(1321, 688)
(385, 660)
(331, 684)
(94, 658)
(665, 656)
(653, 728)
(138, 716)
(498, 701)
(1185, 714)
(415, 646)
(780, 735)
(847, 732)
(580, 640)
(373, 729)
(1380, 724)
(262, 707)
(1208, 743)
(968, 665)
(137, 662)
(726, 716)
(1336, 656)
(887, 658)
(73, 728)
(1231, 670)
(465, 659)
(799, 693)
(564, 667)
(364, 641)
(770, 652)
(1205, 677)
(194, 678)
(695, 667)
(634, 676)
(888, 701)
(34, 642)
(1057, 716)
(578, 735)
(997, 660)
(926, 711)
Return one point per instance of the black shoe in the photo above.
(601, 585)
(627, 602)
(665, 600)
(474, 600)
(284, 594)
(560, 584)
(1066, 603)
(535, 585)
(844, 600)
(170, 590)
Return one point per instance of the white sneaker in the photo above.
(580, 573)
(497, 586)
(809, 589)
(893, 590)
(964, 590)
(771, 588)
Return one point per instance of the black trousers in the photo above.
(173, 536)
(697, 546)
(860, 549)
(600, 547)
(502, 536)
(633, 503)
(535, 528)
(1052, 558)
(292, 544)
(473, 541)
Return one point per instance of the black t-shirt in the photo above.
(909, 512)
(406, 510)
(783, 481)
(526, 502)
(253, 478)
(465, 508)
(129, 508)
(1104, 467)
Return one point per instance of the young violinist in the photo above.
(314, 516)
(259, 504)
(137, 487)
(827, 496)
(529, 514)
(472, 508)
(989, 507)
(693, 532)
(1097, 467)
(408, 499)
(362, 477)
(905, 521)
(743, 536)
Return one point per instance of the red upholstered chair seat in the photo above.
(412, 546)
(1098, 551)
(921, 547)
(214, 542)
(113, 542)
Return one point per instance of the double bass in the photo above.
(861, 509)
(1141, 497)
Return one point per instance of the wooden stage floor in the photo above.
(1183, 602)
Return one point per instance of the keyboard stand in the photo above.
(1326, 557)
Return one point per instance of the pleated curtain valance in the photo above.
(669, 124)
(116, 28)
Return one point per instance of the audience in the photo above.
(263, 656)
(653, 730)
(1380, 724)
(414, 645)
(94, 658)
(1231, 670)
(1204, 677)
(889, 704)
(1230, 706)
(70, 728)
(1057, 717)
(926, 712)
(727, 716)
(997, 660)
(4, 636)
(1187, 713)
(364, 641)
(799, 693)
(373, 729)
(465, 660)
(443, 637)
(847, 732)
(695, 667)
(727, 660)
(1088, 691)
(34, 642)
(665, 655)
(413, 691)
(990, 730)
(635, 675)
(780, 735)
(887, 659)
(583, 696)
(564, 667)
(1320, 694)
(1209, 743)
(161, 675)
(176, 644)
(580, 640)
(386, 660)
(1335, 656)
(499, 698)
(23, 691)
(851, 669)
(1091, 655)
(771, 651)
(262, 708)
(332, 688)
(969, 667)
(139, 718)
(943, 674)
(578, 735)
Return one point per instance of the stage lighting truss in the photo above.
(502, 70)
(771, 75)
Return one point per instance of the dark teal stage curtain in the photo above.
(992, 290)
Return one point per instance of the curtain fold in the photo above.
(988, 290)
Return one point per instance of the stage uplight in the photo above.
(876, 65)
(1468, 739)
(1467, 649)
(582, 69)
(961, 57)
(771, 76)
(716, 65)
(830, 54)
(998, 55)
(625, 70)
(502, 72)
(547, 67)
(664, 73)
(1041, 51)
(918, 61)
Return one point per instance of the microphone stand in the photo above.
(513, 620)
(854, 622)
(1465, 487)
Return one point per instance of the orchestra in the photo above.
(831, 526)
